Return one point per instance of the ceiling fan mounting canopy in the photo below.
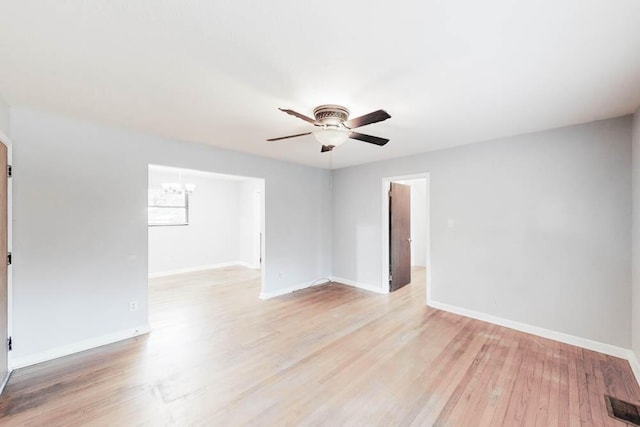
(331, 114)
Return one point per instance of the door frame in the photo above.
(258, 228)
(386, 186)
(4, 139)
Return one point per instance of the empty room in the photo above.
(285, 213)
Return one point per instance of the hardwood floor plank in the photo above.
(574, 385)
(508, 381)
(547, 414)
(519, 399)
(534, 383)
(494, 403)
(583, 389)
(564, 398)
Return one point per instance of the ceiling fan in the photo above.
(334, 128)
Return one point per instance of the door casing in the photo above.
(6, 142)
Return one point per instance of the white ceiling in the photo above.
(449, 72)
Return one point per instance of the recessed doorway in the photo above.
(405, 231)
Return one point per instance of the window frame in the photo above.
(185, 207)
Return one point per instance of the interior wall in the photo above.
(635, 310)
(542, 227)
(218, 216)
(80, 203)
(4, 117)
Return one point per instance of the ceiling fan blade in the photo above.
(326, 148)
(368, 138)
(290, 136)
(367, 119)
(300, 116)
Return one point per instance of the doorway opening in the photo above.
(4, 265)
(405, 232)
(205, 230)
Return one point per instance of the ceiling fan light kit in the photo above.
(334, 128)
(330, 135)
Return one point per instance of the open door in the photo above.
(399, 236)
(4, 225)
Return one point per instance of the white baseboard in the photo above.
(5, 381)
(65, 350)
(248, 265)
(279, 292)
(586, 343)
(199, 268)
(365, 286)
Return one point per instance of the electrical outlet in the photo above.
(133, 306)
(280, 274)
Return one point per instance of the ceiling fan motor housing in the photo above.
(331, 115)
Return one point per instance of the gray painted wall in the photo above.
(635, 310)
(81, 235)
(4, 117)
(542, 227)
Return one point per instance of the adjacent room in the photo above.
(205, 231)
(218, 226)
(213, 216)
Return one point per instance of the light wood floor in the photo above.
(331, 355)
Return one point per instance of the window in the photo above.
(168, 208)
